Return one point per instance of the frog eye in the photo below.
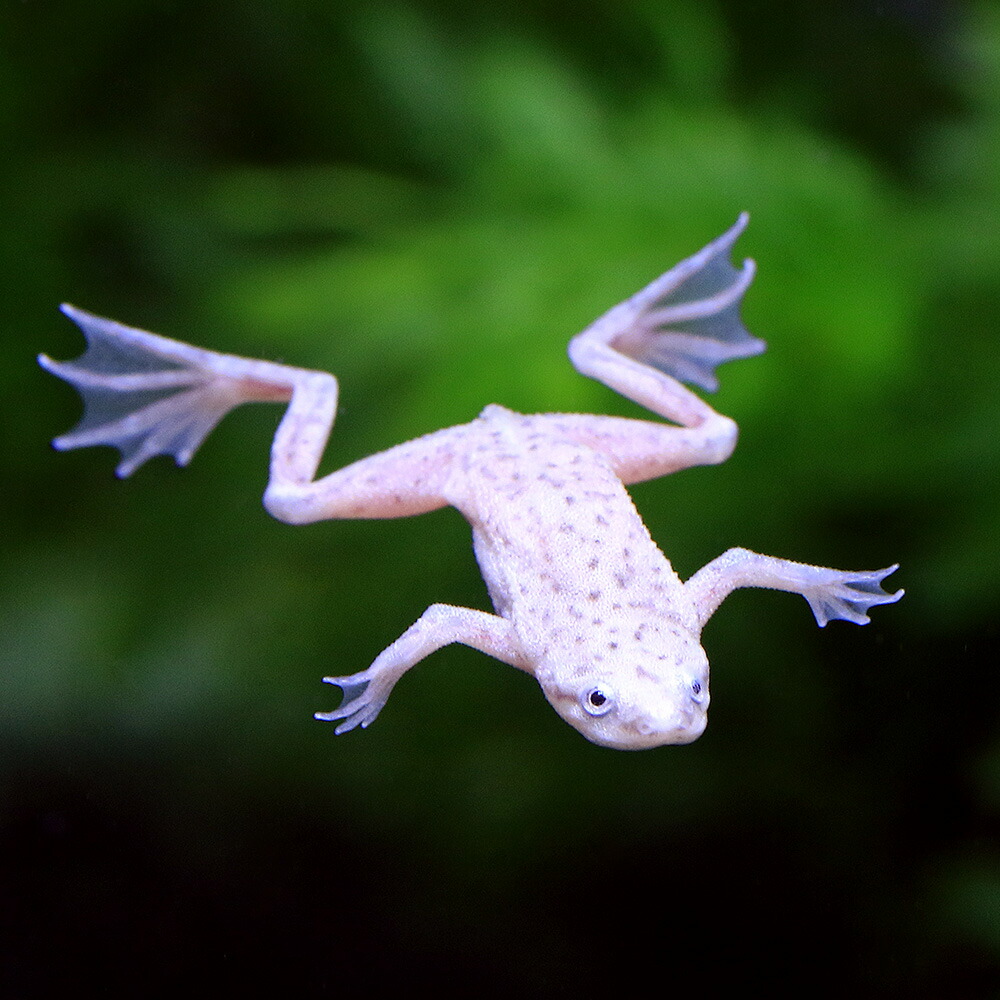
(598, 700)
(696, 691)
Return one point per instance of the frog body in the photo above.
(597, 608)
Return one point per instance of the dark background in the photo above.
(429, 199)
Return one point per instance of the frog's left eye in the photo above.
(598, 700)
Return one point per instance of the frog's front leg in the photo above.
(441, 624)
(831, 593)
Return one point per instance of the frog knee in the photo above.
(287, 504)
(720, 438)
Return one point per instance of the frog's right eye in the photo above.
(598, 700)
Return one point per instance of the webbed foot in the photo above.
(148, 395)
(684, 323)
(848, 595)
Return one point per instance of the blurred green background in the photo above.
(429, 199)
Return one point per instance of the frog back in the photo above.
(561, 546)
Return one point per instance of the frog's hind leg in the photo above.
(675, 330)
(149, 395)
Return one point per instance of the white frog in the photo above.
(583, 598)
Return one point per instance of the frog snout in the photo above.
(684, 723)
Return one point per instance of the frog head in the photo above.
(652, 700)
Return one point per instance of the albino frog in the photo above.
(583, 598)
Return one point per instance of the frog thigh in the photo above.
(644, 449)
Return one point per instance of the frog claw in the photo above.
(848, 596)
(360, 705)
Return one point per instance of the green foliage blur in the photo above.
(428, 200)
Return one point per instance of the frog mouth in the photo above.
(681, 726)
(684, 725)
